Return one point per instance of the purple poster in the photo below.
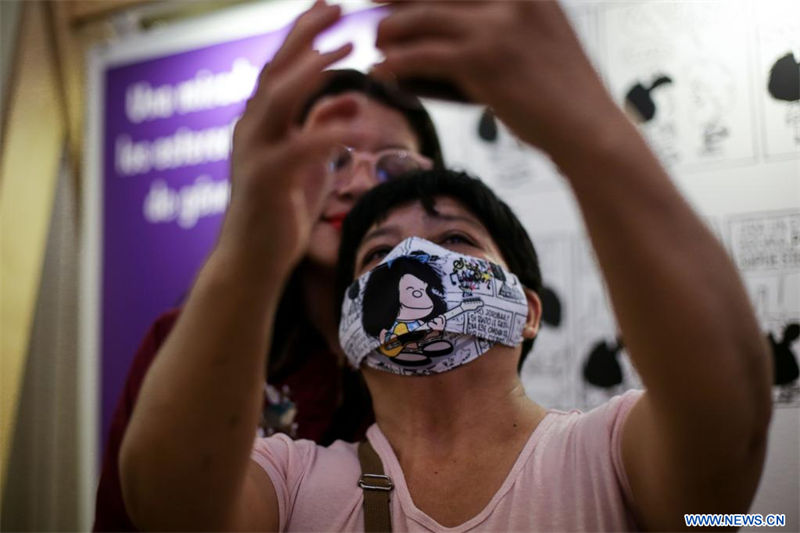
(166, 141)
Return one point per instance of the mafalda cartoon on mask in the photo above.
(404, 307)
(414, 315)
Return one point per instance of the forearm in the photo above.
(186, 450)
(682, 309)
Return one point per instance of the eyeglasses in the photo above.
(385, 165)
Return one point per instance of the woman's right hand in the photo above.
(185, 459)
(278, 170)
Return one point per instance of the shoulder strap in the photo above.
(376, 486)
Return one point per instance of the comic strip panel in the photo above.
(766, 250)
(680, 70)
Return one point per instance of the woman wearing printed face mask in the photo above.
(459, 439)
(462, 444)
(309, 392)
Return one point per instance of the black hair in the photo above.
(349, 80)
(425, 186)
(784, 79)
(381, 312)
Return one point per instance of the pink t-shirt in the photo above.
(568, 477)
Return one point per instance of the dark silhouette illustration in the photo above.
(784, 86)
(784, 79)
(602, 368)
(639, 102)
(551, 307)
(784, 359)
(404, 307)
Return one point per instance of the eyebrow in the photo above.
(393, 230)
(380, 232)
(396, 146)
(393, 146)
(460, 218)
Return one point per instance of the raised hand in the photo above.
(211, 366)
(681, 306)
(278, 169)
(519, 57)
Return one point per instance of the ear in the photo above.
(534, 320)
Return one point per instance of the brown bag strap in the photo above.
(376, 486)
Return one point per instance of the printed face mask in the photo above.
(426, 310)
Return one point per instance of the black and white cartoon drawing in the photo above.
(652, 106)
(602, 367)
(410, 323)
(712, 99)
(784, 86)
(639, 102)
(786, 369)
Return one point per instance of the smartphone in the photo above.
(430, 88)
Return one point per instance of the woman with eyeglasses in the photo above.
(379, 133)
(463, 450)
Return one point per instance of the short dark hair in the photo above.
(348, 80)
(424, 186)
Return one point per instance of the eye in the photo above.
(395, 163)
(341, 159)
(457, 238)
(375, 254)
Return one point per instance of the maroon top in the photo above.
(306, 403)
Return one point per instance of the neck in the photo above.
(318, 293)
(445, 414)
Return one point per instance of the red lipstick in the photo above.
(336, 220)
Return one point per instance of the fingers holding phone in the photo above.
(521, 58)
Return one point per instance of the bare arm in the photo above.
(185, 460)
(695, 442)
